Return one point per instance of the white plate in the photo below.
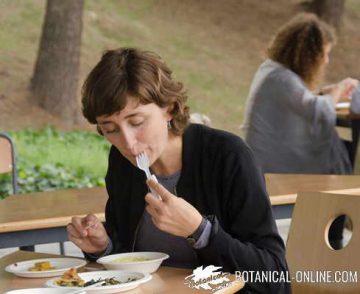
(118, 275)
(342, 105)
(40, 291)
(61, 265)
(146, 266)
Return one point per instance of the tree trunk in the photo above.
(55, 79)
(331, 11)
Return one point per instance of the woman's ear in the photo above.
(168, 112)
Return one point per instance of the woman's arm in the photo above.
(342, 89)
(249, 241)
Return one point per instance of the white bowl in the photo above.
(41, 291)
(146, 267)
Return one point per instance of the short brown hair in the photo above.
(129, 72)
(299, 45)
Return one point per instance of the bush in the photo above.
(50, 160)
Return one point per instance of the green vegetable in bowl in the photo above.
(130, 259)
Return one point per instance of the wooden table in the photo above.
(38, 218)
(165, 280)
(283, 188)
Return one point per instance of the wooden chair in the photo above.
(7, 159)
(308, 248)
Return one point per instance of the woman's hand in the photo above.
(342, 89)
(347, 86)
(88, 233)
(172, 214)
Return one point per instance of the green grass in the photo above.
(21, 22)
(353, 6)
(75, 150)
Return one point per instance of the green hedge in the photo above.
(48, 159)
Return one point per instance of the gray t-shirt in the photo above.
(290, 129)
(150, 238)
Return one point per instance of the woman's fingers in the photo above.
(72, 231)
(74, 235)
(90, 220)
(160, 189)
(86, 226)
(78, 225)
(153, 201)
(88, 233)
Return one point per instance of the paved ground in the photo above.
(72, 250)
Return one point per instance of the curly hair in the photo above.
(142, 75)
(299, 45)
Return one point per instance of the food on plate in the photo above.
(71, 279)
(108, 281)
(41, 266)
(130, 259)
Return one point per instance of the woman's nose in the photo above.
(129, 140)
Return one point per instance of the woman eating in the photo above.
(212, 208)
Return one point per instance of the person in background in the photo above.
(355, 101)
(214, 209)
(291, 128)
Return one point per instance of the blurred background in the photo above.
(214, 47)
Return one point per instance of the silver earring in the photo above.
(169, 124)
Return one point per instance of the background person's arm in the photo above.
(342, 89)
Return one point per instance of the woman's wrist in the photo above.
(197, 233)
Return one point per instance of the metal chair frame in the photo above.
(13, 161)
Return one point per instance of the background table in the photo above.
(39, 218)
(283, 188)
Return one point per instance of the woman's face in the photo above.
(137, 128)
(326, 54)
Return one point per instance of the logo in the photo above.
(208, 278)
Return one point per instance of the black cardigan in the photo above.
(220, 178)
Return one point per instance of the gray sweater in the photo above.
(290, 129)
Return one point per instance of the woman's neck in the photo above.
(170, 160)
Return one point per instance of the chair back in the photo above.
(7, 159)
(309, 254)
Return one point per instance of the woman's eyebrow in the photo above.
(104, 123)
(131, 115)
(134, 114)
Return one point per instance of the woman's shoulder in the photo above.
(276, 72)
(279, 81)
(213, 140)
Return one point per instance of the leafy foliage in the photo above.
(49, 160)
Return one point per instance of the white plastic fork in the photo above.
(142, 162)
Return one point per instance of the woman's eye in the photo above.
(137, 123)
(111, 131)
